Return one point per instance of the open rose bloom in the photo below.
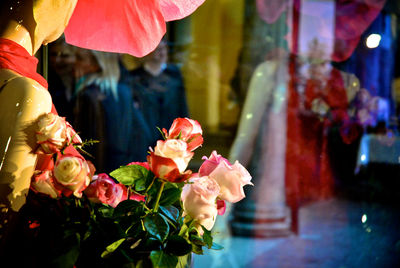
(73, 174)
(188, 130)
(217, 181)
(54, 133)
(170, 160)
(199, 200)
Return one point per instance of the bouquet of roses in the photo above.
(146, 214)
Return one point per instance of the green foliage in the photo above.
(129, 175)
(133, 234)
(161, 259)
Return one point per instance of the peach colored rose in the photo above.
(176, 150)
(54, 133)
(72, 173)
(43, 182)
(188, 130)
(200, 200)
(166, 169)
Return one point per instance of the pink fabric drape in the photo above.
(124, 26)
(352, 19)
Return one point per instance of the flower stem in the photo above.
(159, 196)
(151, 184)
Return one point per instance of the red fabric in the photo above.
(309, 174)
(15, 57)
(134, 27)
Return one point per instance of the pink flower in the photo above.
(200, 200)
(134, 27)
(143, 164)
(211, 163)
(72, 174)
(188, 130)
(230, 178)
(54, 133)
(43, 182)
(137, 197)
(104, 190)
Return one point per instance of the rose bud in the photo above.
(188, 130)
(73, 174)
(200, 200)
(43, 182)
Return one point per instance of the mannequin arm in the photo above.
(261, 84)
(22, 101)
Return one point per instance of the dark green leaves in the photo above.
(157, 226)
(162, 259)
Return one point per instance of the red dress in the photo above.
(309, 174)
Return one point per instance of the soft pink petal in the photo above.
(133, 27)
(178, 9)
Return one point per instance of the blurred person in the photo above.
(104, 110)
(158, 91)
(62, 77)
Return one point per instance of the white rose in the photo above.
(73, 173)
(199, 200)
(53, 133)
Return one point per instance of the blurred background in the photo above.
(304, 93)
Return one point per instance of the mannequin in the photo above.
(24, 27)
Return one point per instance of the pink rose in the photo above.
(104, 190)
(43, 182)
(72, 173)
(200, 200)
(188, 130)
(211, 163)
(231, 179)
(54, 133)
(143, 164)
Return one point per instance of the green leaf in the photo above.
(196, 240)
(157, 226)
(112, 247)
(106, 211)
(170, 212)
(162, 259)
(126, 206)
(184, 261)
(170, 196)
(127, 175)
(140, 184)
(207, 237)
(177, 245)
